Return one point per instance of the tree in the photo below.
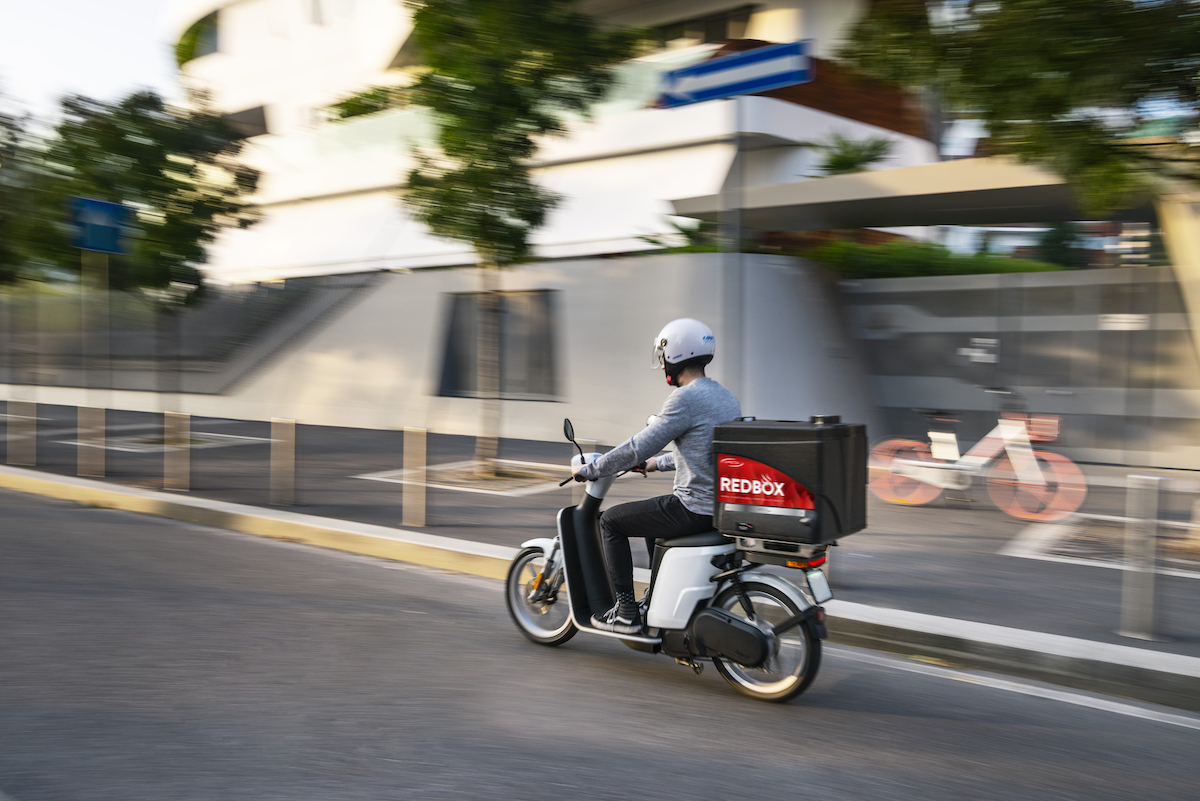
(1060, 245)
(13, 179)
(498, 74)
(175, 168)
(1064, 84)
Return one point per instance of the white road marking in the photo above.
(1021, 688)
(400, 477)
(1037, 539)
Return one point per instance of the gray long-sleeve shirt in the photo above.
(685, 422)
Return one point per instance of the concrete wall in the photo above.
(1110, 351)
(376, 364)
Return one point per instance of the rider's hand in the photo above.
(575, 473)
(652, 464)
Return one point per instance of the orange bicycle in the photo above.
(1025, 483)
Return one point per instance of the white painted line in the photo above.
(199, 440)
(1036, 540)
(397, 477)
(1022, 688)
(1034, 641)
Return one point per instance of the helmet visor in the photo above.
(659, 361)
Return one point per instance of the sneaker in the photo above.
(612, 620)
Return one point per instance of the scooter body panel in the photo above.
(682, 583)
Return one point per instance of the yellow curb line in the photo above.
(268, 524)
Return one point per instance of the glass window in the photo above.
(527, 346)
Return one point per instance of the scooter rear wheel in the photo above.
(789, 672)
(546, 623)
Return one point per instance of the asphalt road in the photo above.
(145, 659)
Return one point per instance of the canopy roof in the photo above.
(964, 192)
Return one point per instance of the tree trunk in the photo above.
(487, 365)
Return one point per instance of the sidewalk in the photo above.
(947, 560)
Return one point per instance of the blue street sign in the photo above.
(741, 74)
(98, 224)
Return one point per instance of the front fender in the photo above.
(545, 543)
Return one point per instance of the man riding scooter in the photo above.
(681, 350)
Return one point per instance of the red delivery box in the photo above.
(790, 482)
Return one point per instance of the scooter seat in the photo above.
(700, 540)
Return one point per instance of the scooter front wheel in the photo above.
(546, 621)
(789, 672)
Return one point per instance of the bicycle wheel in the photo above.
(892, 488)
(1064, 491)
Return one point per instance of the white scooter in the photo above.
(705, 600)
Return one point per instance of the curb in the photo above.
(1153, 676)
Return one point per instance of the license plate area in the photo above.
(818, 585)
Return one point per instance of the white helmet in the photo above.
(682, 341)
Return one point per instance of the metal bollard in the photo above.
(89, 448)
(283, 461)
(1141, 529)
(177, 451)
(413, 498)
(22, 433)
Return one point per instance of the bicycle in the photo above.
(1025, 483)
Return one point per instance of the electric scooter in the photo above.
(705, 601)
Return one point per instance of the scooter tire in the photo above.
(799, 658)
(532, 619)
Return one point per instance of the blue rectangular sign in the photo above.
(758, 70)
(98, 224)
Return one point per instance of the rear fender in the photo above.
(777, 582)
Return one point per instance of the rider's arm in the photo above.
(665, 462)
(670, 424)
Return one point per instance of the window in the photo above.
(527, 346)
(702, 30)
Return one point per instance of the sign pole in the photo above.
(98, 227)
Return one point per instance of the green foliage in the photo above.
(14, 177)
(1060, 245)
(369, 101)
(844, 156)
(700, 238)
(500, 73)
(1059, 83)
(175, 169)
(904, 259)
(198, 40)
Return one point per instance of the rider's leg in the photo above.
(662, 517)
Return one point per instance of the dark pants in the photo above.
(663, 517)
